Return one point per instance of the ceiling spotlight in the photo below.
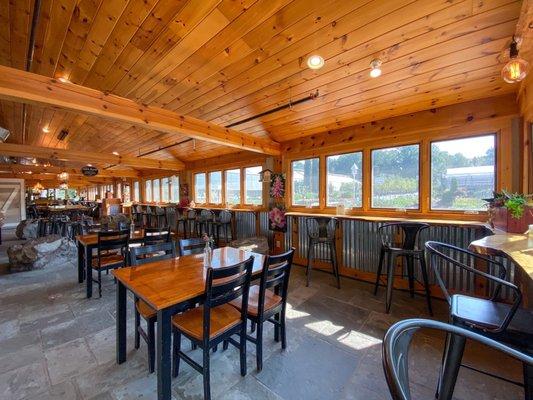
(62, 79)
(375, 68)
(115, 153)
(516, 68)
(315, 61)
(46, 129)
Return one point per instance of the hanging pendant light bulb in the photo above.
(375, 68)
(516, 68)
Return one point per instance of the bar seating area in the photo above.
(266, 199)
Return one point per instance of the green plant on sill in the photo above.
(516, 204)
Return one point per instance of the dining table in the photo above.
(169, 286)
(86, 244)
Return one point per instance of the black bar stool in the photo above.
(181, 220)
(321, 232)
(400, 239)
(160, 217)
(191, 217)
(222, 221)
(204, 222)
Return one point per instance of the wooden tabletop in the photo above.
(370, 218)
(166, 283)
(92, 238)
(518, 248)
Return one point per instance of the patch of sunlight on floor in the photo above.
(358, 341)
(325, 327)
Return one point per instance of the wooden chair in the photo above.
(400, 239)
(395, 353)
(268, 301)
(156, 235)
(112, 252)
(191, 246)
(491, 317)
(216, 321)
(138, 256)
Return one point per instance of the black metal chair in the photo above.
(156, 235)
(181, 221)
(396, 349)
(204, 222)
(267, 302)
(112, 252)
(191, 217)
(216, 321)
(400, 239)
(171, 215)
(222, 222)
(32, 212)
(490, 317)
(138, 256)
(147, 217)
(191, 246)
(321, 232)
(160, 217)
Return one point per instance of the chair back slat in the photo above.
(191, 246)
(156, 235)
(403, 235)
(321, 227)
(151, 253)
(275, 275)
(112, 240)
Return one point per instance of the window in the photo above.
(253, 189)
(344, 180)
(233, 186)
(148, 191)
(462, 173)
(395, 177)
(199, 188)
(136, 196)
(156, 194)
(175, 189)
(165, 189)
(305, 177)
(215, 187)
(119, 191)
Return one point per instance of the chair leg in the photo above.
(334, 264)
(176, 346)
(283, 330)
(411, 275)
(151, 346)
(99, 283)
(380, 267)
(206, 374)
(252, 326)
(259, 346)
(425, 278)
(528, 381)
(137, 326)
(310, 253)
(242, 349)
(225, 345)
(276, 328)
(390, 281)
(453, 353)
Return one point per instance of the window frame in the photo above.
(496, 136)
(225, 186)
(243, 187)
(399, 210)
(205, 188)
(333, 154)
(321, 177)
(208, 185)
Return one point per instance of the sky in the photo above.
(470, 147)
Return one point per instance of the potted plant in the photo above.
(510, 212)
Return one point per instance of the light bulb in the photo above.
(46, 129)
(515, 70)
(375, 68)
(315, 61)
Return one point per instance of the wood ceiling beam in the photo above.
(40, 169)
(26, 87)
(47, 153)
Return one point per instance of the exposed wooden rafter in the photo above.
(21, 86)
(108, 173)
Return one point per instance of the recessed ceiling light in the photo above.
(315, 61)
(89, 165)
(375, 68)
(115, 153)
(46, 129)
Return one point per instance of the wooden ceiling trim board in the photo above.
(108, 173)
(259, 72)
(252, 42)
(28, 87)
(446, 96)
(45, 153)
(156, 28)
(397, 80)
(203, 26)
(5, 34)
(211, 27)
(105, 20)
(339, 70)
(433, 36)
(127, 25)
(20, 17)
(79, 28)
(254, 16)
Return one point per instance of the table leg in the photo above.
(528, 382)
(121, 323)
(81, 252)
(88, 270)
(164, 362)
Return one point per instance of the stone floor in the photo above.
(56, 344)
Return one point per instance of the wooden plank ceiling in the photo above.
(226, 60)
